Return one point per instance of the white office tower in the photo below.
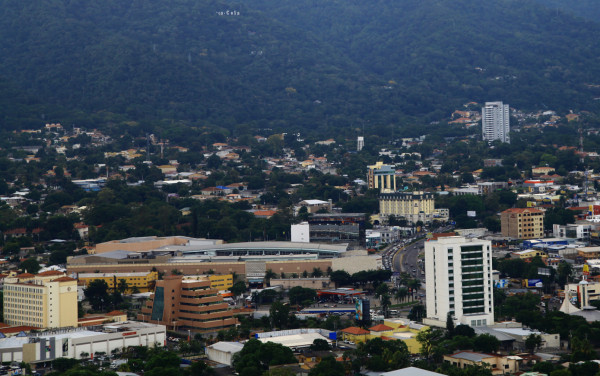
(495, 120)
(360, 143)
(459, 280)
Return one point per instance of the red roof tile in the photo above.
(49, 273)
(115, 313)
(64, 279)
(355, 330)
(17, 329)
(380, 328)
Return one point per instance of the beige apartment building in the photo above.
(188, 303)
(45, 300)
(413, 206)
(522, 223)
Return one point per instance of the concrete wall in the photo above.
(312, 283)
(356, 264)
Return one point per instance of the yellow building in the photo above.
(522, 223)
(142, 280)
(413, 206)
(382, 177)
(221, 282)
(530, 253)
(401, 330)
(45, 300)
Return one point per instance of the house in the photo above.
(210, 191)
(219, 145)
(313, 206)
(355, 334)
(266, 214)
(500, 364)
(82, 229)
(167, 169)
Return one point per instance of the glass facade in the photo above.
(159, 304)
(473, 293)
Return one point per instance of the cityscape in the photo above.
(479, 270)
(296, 188)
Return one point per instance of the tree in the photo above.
(428, 338)
(122, 286)
(533, 342)
(256, 357)
(299, 295)
(402, 293)
(320, 345)
(340, 278)
(269, 275)
(238, 288)
(30, 265)
(486, 343)
(564, 273)
(328, 367)
(64, 364)
(584, 369)
(464, 330)
(581, 350)
(200, 368)
(279, 371)
(381, 290)
(279, 314)
(561, 372)
(544, 367)
(417, 312)
(385, 304)
(450, 325)
(97, 294)
(317, 272)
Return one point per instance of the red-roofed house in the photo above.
(355, 334)
(264, 213)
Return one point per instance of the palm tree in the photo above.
(414, 284)
(402, 293)
(122, 286)
(385, 304)
(269, 275)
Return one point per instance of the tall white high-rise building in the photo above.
(459, 281)
(360, 143)
(495, 121)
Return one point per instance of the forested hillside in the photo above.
(589, 9)
(303, 64)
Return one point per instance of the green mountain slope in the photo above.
(512, 50)
(303, 63)
(589, 9)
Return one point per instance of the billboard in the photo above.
(501, 283)
(533, 283)
(363, 310)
